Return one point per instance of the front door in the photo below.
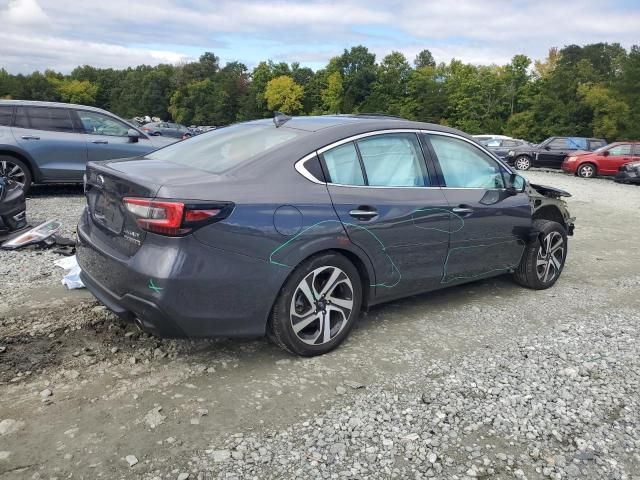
(386, 199)
(493, 222)
(552, 154)
(48, 135)
(107, 137)
(617, 156)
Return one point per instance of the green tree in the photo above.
(390, 87)
(284, 95)
(358, 69)
(424, 59)
(81, 92)
(332, 94)
(426, 99)
(610, 114)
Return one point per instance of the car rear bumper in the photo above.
(179, 287)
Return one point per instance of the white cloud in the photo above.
(54, 34)
(24, 12)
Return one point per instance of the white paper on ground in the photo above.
(72, 278)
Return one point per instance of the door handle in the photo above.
(30, 137)
(462, 209)
(362, 214)
(103, 142)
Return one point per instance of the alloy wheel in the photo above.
(321, 305)
(13, 172)
(550, 257)
(523, 163)
(587, 171)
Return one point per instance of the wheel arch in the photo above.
(550, 212)
(9, 151)
(359, 260)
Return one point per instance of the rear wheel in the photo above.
(317, 306)
(587, 170)
(16, 170)
(522, 163)
(543, 260)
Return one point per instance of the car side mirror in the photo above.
(133, 135)
(605, 153)
(516, 184)
(547, 147)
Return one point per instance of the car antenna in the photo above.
(280, 118)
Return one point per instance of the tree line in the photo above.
(590, 90)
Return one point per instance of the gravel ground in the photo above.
(485, 380)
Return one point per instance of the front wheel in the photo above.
(587, 170)
(16, 170)
(543, 260)
(317, 306)
(522, 163)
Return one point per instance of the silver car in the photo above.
(167, 129)
(44, 142)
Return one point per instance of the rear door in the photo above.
(492, 222)
(391, 207)
(49, 136)
(107, 137)
(618, 156)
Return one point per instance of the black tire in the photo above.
(528, 273)
(9, 164)
(281, 324)
(522, 163)
(587, 170)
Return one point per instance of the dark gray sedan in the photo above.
(292, 227)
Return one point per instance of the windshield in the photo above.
(222, 149)
(601, 149)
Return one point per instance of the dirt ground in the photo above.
(80, 391)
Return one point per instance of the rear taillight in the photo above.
(173, 218)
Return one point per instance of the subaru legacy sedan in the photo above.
(292, 227)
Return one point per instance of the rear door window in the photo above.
(44, 118)
(6, 113)
(393, 160)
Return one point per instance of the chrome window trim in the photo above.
(299, 165)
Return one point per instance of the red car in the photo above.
(603, 161)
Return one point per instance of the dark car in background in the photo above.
(44, 142)
(551, 152)
(292, 229)
(501, 147)
(629, 173)
(606, 160)
(167, 129)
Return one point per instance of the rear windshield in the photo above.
(222, 149)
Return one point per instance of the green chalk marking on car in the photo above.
(153, 286)
(394, 268)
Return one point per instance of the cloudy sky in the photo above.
(40, 34)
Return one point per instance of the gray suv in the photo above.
(43, 142)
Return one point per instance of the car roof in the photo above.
(38, 103)
(354, 124)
